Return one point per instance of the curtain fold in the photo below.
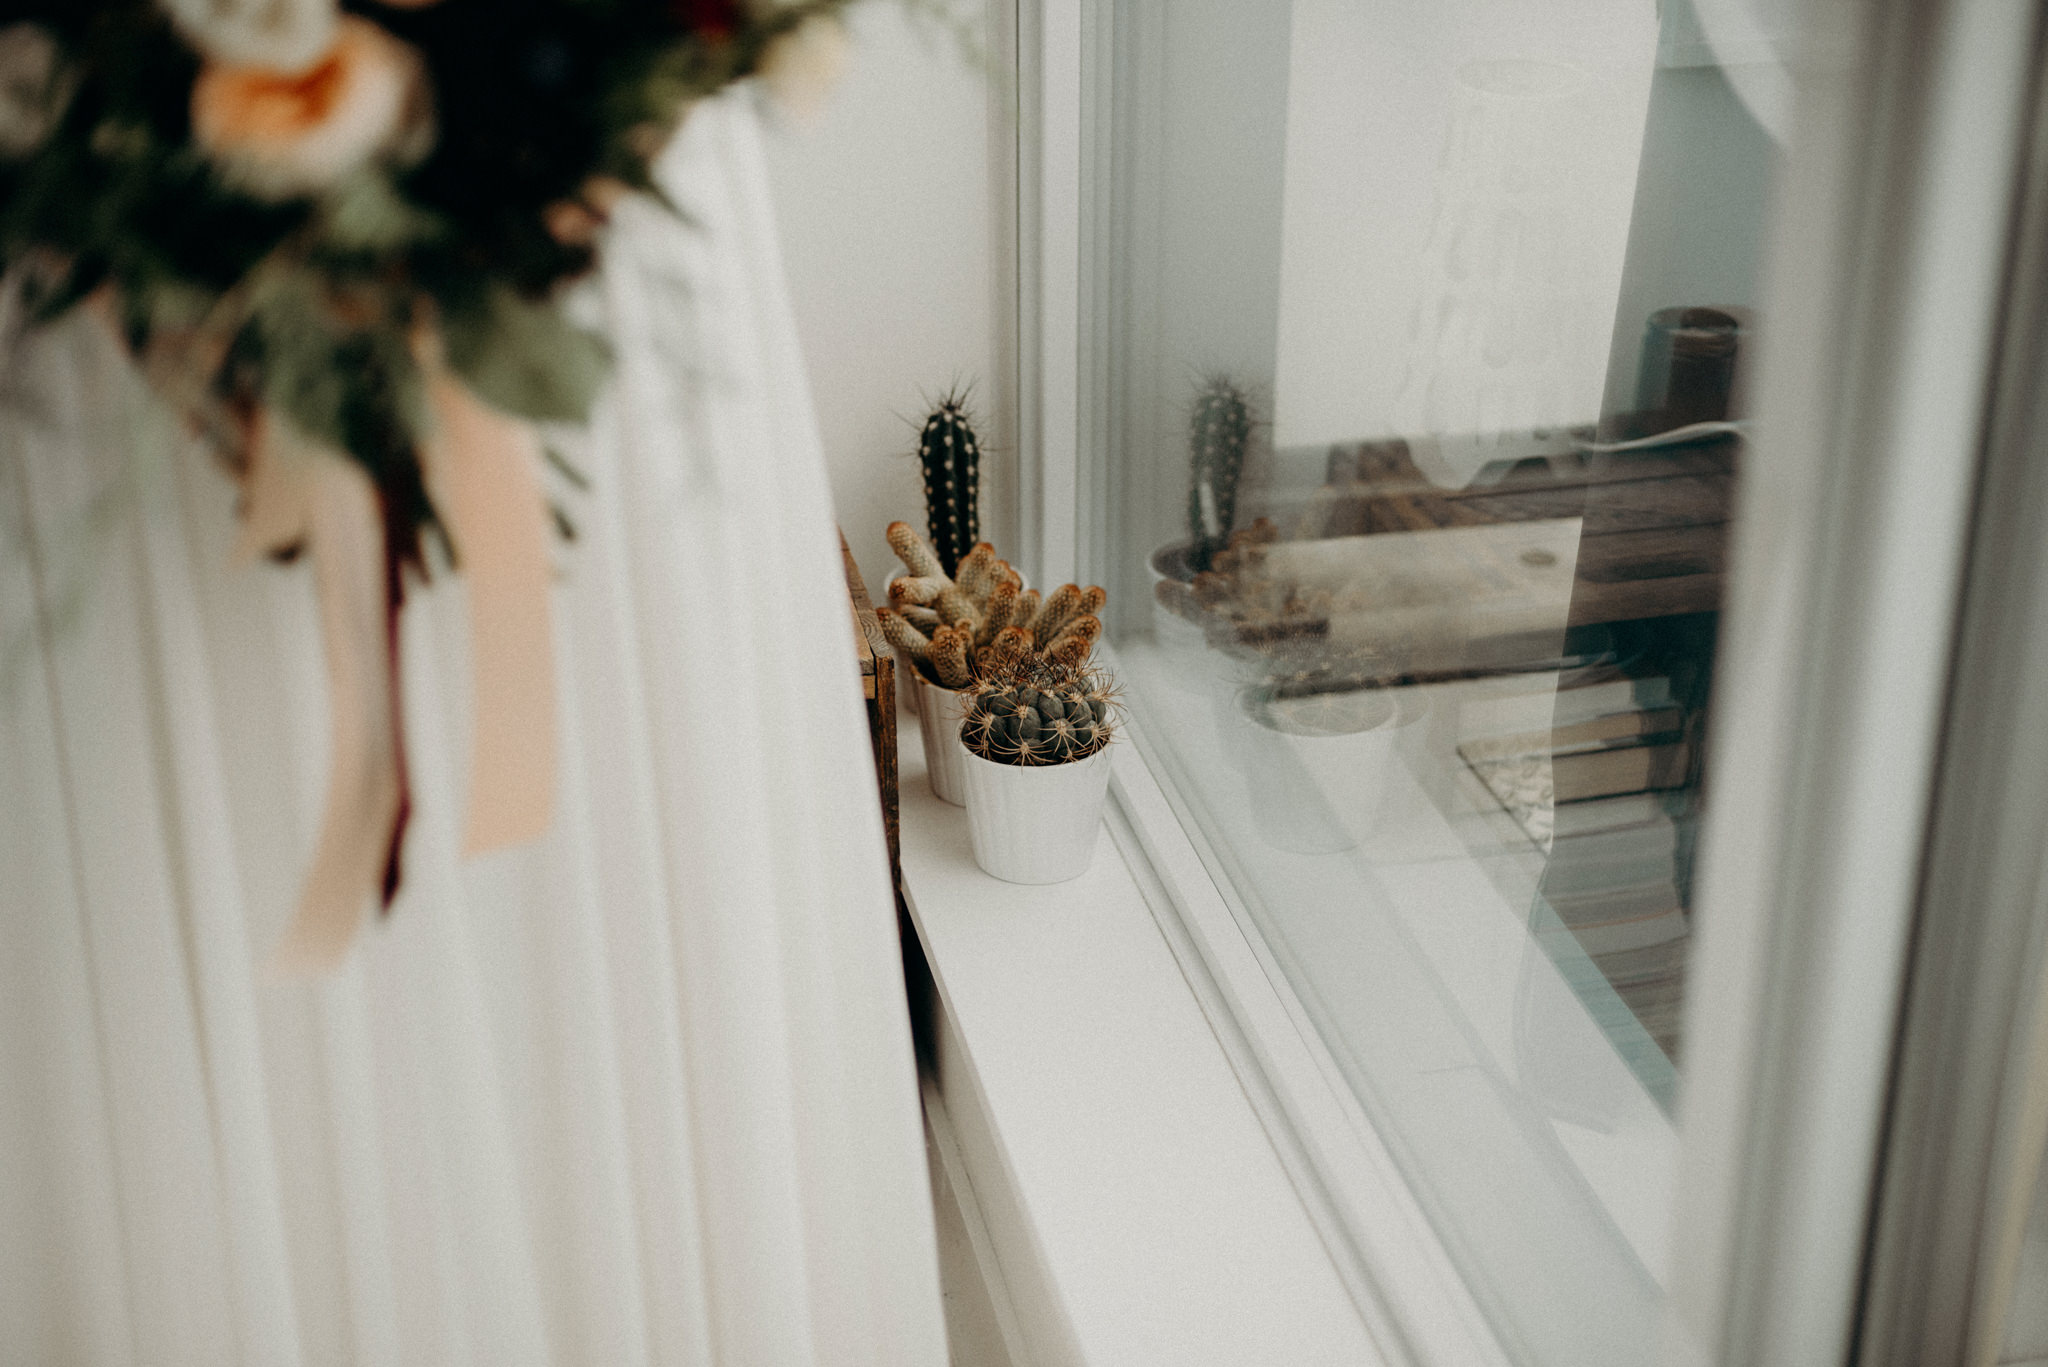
(640, 1093)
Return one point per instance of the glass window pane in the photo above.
(1420, 347)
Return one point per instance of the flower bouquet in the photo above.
(332, 235)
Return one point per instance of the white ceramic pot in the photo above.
(907, 677)
(1319, 767)
(939, 713)
(1037, 823)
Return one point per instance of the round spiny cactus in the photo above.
(1219, 434)
(1037, 712)
(951, 456)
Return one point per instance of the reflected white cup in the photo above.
(1318, 767)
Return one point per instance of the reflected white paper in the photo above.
(1459, 178)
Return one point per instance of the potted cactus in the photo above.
(950, 631)
(1035, 740)
(1220, 429)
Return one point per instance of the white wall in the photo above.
(888, 232)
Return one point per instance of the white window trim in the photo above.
(1852, 527)
(1398, 1272)
(1125, 1202)
(1852, 532)
(1402, 1281)
(1400, 1275)
(1047, 38)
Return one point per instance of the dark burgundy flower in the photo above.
(710, 18)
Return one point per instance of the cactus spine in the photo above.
(1034, 712)
(1219, 433)
(951, 456)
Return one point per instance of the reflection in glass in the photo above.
(1423, 645)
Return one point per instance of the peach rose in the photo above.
(277, 134)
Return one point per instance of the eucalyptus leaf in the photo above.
(299, 374)
(524, 357)
(366, 212)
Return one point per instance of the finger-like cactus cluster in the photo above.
(1219, 433)
(1039, 711)
(951, 456)
(966, 626)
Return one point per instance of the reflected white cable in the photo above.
(1677, 436)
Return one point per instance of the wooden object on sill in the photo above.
(878, 688)
(1653, 542)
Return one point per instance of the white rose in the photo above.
(31, 93)
(284, 35)
(801, 67)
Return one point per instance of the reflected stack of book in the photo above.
(1603, 791)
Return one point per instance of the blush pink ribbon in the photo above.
(481, 471)
(300, 496)
(483, 475)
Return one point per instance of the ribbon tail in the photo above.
(359, 833)
(483, 472)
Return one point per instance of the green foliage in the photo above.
(1038, 712)
(525, 357)
(1219, 433)
(950, 453)
(313, 303)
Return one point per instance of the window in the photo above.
(1416, 349)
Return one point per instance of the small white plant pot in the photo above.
(1037, 823)
(939, 714)
(1319, 769)
(908, 676)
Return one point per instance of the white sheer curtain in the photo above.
(640, 1094)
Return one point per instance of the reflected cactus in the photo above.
(1219, 434)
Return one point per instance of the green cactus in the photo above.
(1038, 712)
(951, 456)
(1219, 433)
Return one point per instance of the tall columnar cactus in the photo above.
(1036, 712)
(951, 456)
(1219, 433)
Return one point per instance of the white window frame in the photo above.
(1852, 528)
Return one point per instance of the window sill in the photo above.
(1135, 1211)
